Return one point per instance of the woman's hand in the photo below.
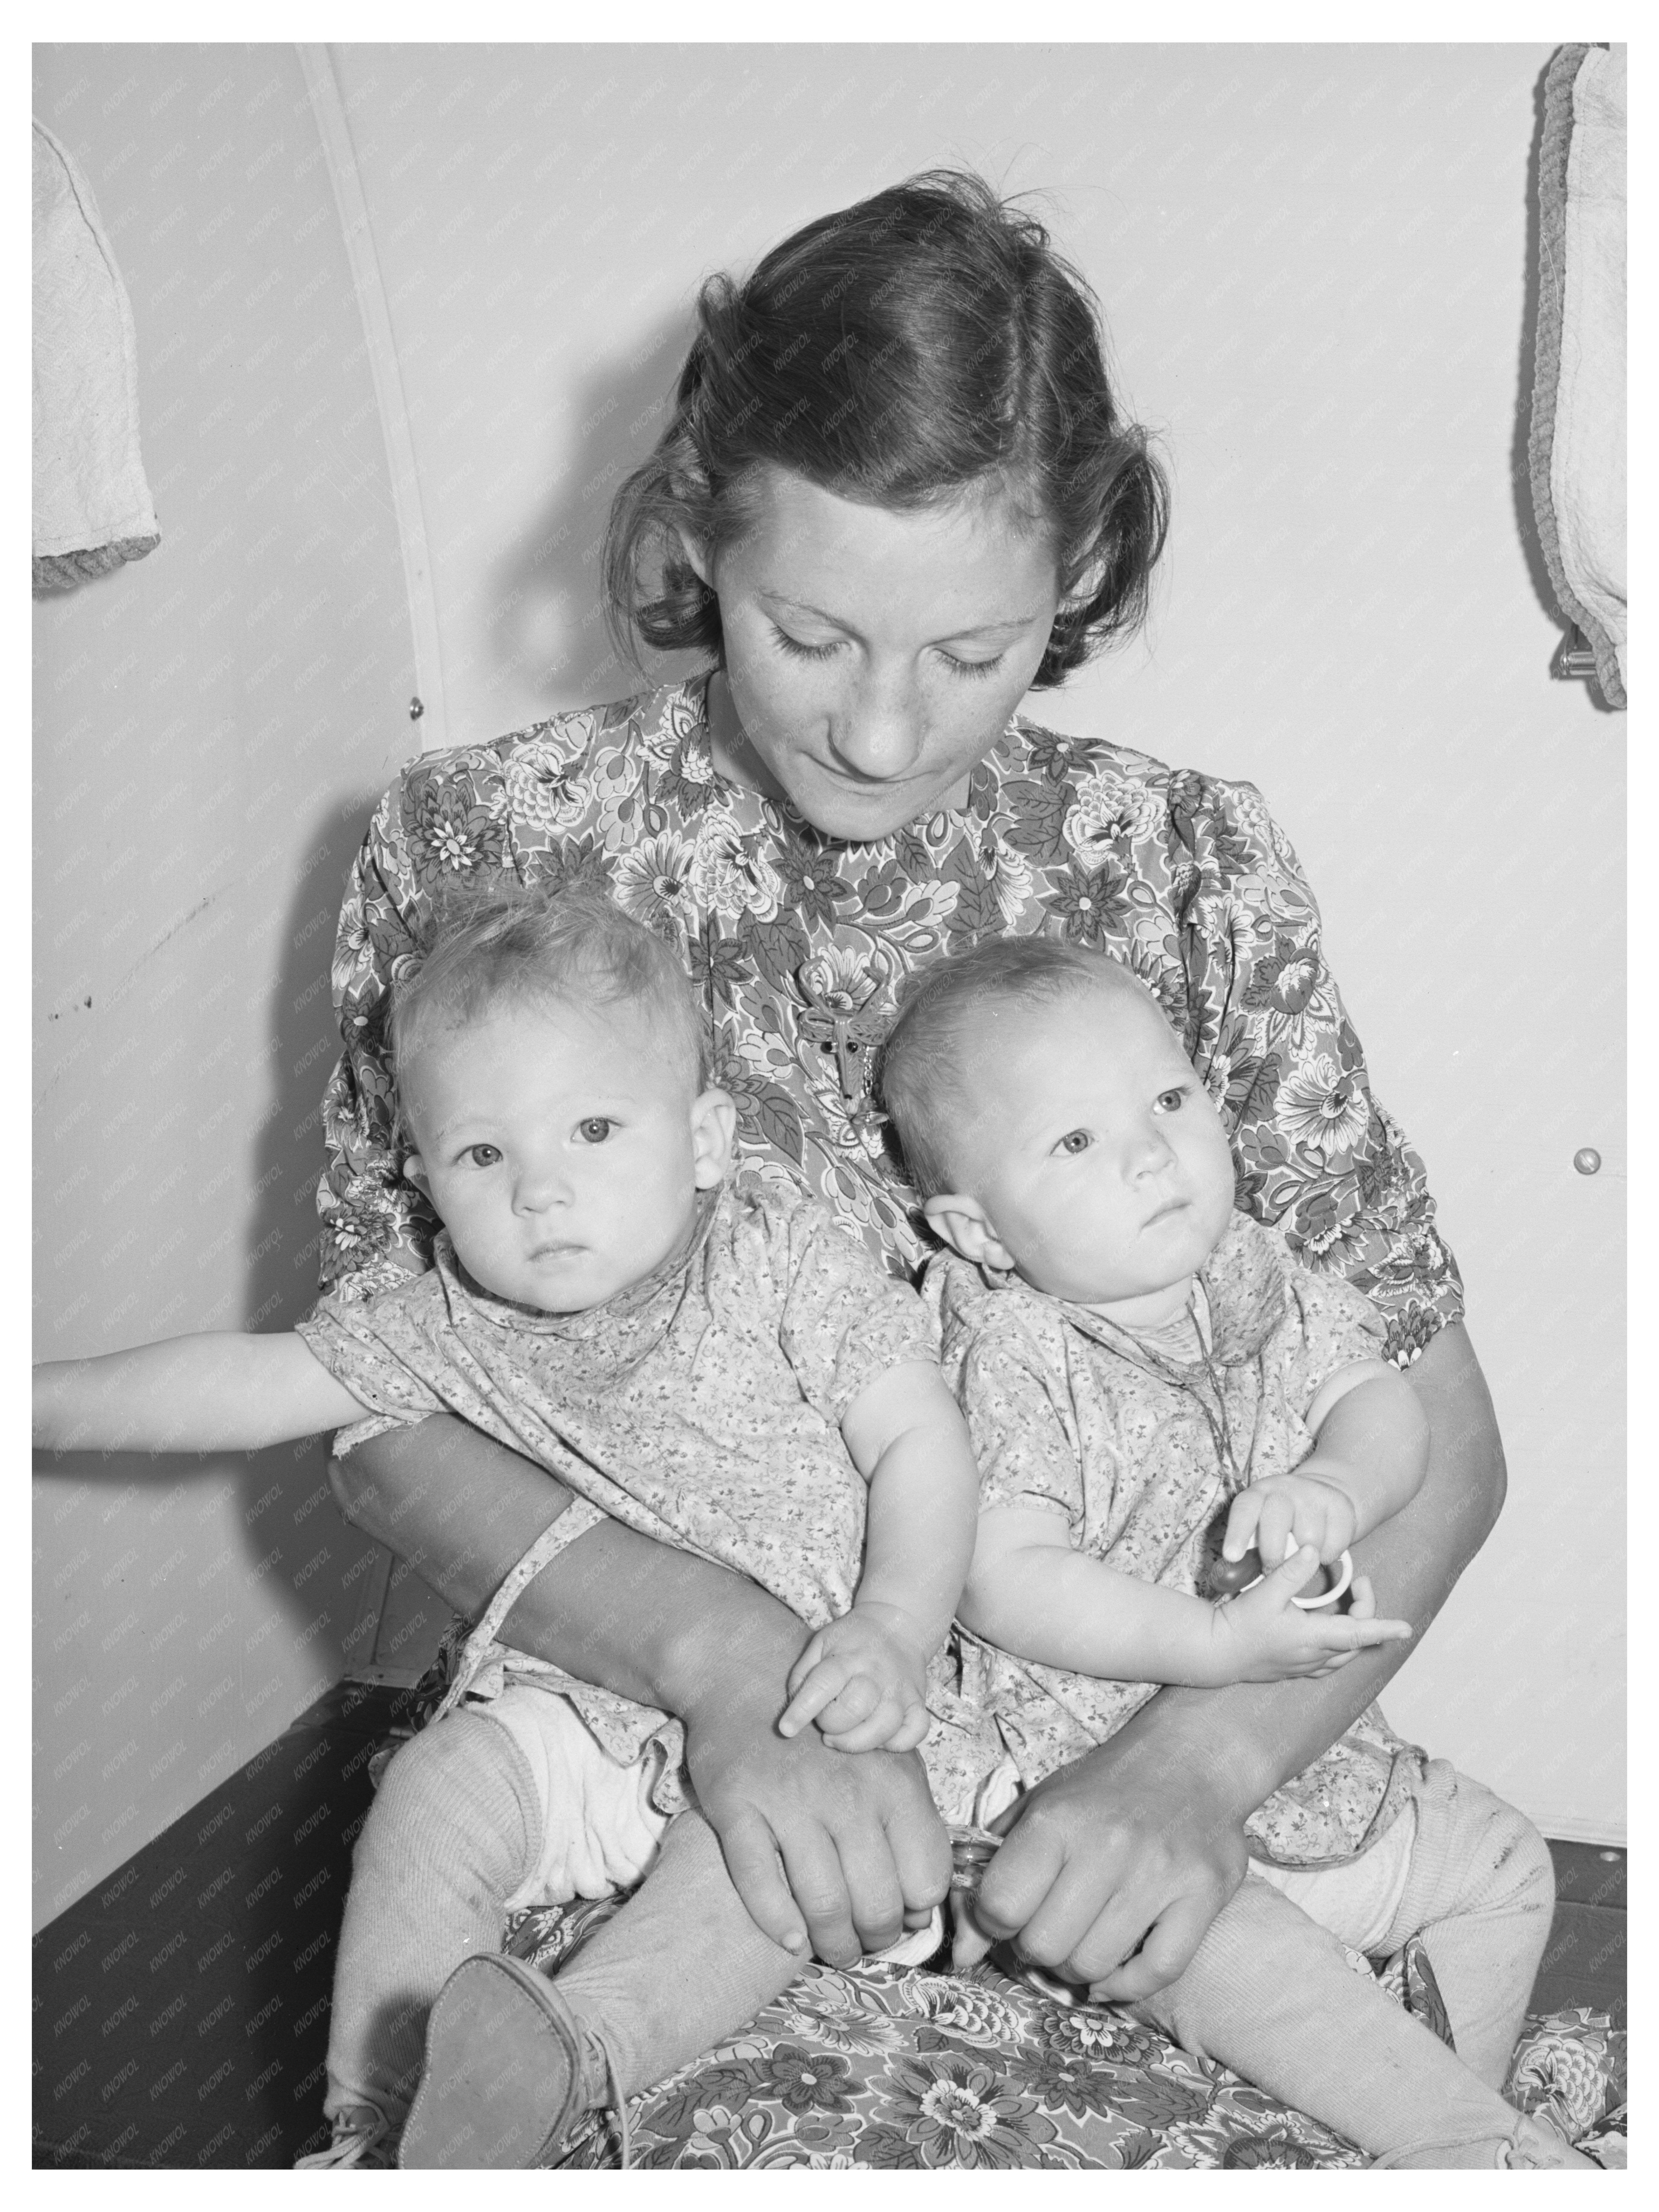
(863, 1679)
(844, 1851)
(1114, 1868)
(1127, 1851)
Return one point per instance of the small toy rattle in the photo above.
(972, 1850)
(1232, 1577)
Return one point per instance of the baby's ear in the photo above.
(415, 1172)
(714, 1130)
(965, 1226)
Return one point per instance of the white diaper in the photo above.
(600, 1831)
(1357, 1901)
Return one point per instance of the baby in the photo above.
(723, 1368)
(1140, 1363)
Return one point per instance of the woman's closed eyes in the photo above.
(798, 650)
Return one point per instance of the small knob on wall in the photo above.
(1587, 1160)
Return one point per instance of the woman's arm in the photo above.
(850, 1846)
(217, 1391)
(1142, 1842)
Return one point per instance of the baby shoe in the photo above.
(361, 2138)
(1534, 2145)
(509, 2070)
(1530, 2146)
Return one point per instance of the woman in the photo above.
(896, 494)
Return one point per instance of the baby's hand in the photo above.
(1263, 1636)
(1302, 1505)
(861, 1679)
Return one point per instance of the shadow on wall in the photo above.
(284, 1233)
(290, 1537)
(284, 1237)
(547, 617)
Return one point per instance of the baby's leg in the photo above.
(512, 2059)
(1271, 1994)
(453, 1830)
(1481, 1891)
(680, 1967)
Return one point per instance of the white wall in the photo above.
(1313, 263)
(210, 725)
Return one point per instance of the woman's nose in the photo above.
(880, 731)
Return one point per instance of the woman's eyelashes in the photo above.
(796, 649)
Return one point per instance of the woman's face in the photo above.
(871, 656)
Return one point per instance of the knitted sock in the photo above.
(1481, 1893)
(453, 1830)
(681, 1965)
(1272, 1996)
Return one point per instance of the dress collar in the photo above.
(1243, 1287)
(655, 1296)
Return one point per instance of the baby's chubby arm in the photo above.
(1030, 1594)
(1371, 1454)
(863, 1679)
(219, 1391)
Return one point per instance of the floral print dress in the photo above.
(701, 1406)
(799, 947)
(1139, 1451)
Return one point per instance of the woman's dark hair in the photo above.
(925, 342)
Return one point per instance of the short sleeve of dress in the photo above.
(845, 1319)
(358, 1341)
(1333, 1326)
(1316, 1153)
(1027, 1457)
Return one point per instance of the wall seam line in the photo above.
(333, 126)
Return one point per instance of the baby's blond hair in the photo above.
(505, 944)
(918, 1079)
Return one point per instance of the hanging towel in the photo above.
(92, 505)
(1576, 449)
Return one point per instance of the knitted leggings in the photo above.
(457, 1829)
(1271, 1994)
